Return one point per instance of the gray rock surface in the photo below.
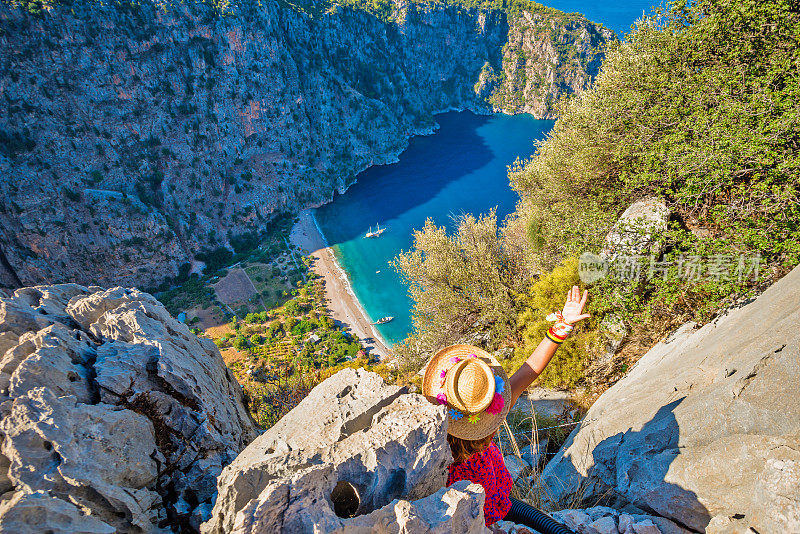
(636, 230)
(456, 509)
(534, 454)
(113, 415)
(613, 330)
(516, 466)
(351, 428)
(705, 429)
(600, 520)
(23, 512)
(605, 520)
(507, 527)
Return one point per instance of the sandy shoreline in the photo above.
(341, 300)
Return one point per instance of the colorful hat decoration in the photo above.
(473, 386)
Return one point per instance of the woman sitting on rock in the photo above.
(478, 395)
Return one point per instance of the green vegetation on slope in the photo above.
(698, 107)
(382, 9)
(546, 295)
(458, 282)
(40, 6)
(279, 355)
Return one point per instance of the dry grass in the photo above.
(268, 403)
(208, 318)
(216, 332)
(235, 288)
(231, 356)
(529, 428)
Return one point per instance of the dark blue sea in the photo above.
(462, 168)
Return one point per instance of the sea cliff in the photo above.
(135, 137)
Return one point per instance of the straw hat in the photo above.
(474, 387)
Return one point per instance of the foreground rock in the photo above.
(705, 430)
(352, 431)
(601, 520)
(113, 416)
(604, 520)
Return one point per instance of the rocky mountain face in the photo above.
(134, 136)
(113, 416)
(705, 430)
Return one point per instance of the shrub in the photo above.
(240, 342)
(292, 307)
(545, 296)
(694, 107)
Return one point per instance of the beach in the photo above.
(345, 307)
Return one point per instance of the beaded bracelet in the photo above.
(560, 330)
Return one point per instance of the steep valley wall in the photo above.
(133, 137)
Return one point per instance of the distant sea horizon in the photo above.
(461, 168)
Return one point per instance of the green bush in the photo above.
(547, 295)
(240, 342)
(292, 307)
(698, 107)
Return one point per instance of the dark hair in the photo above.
(464, 448)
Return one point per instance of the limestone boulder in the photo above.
(352, 435)
(600, 520)
(636, 231)
(89, 454)
(22, 513)
(458, 508)
(110, 406)
(705, 429)
(534, 454)
(515, 465)
(605, 520)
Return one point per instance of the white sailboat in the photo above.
(375, 233)
(383, 320)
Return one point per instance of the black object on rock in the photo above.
(525, 514)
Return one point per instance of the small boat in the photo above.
(378, 271)
(383, 320)
(375, 233)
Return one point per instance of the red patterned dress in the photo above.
(487, 469)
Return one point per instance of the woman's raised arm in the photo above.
(541, 356)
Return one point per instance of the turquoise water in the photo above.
(462, 168)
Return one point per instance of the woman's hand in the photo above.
(573, 308)
(540, 357)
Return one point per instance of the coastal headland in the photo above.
(342, 302)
